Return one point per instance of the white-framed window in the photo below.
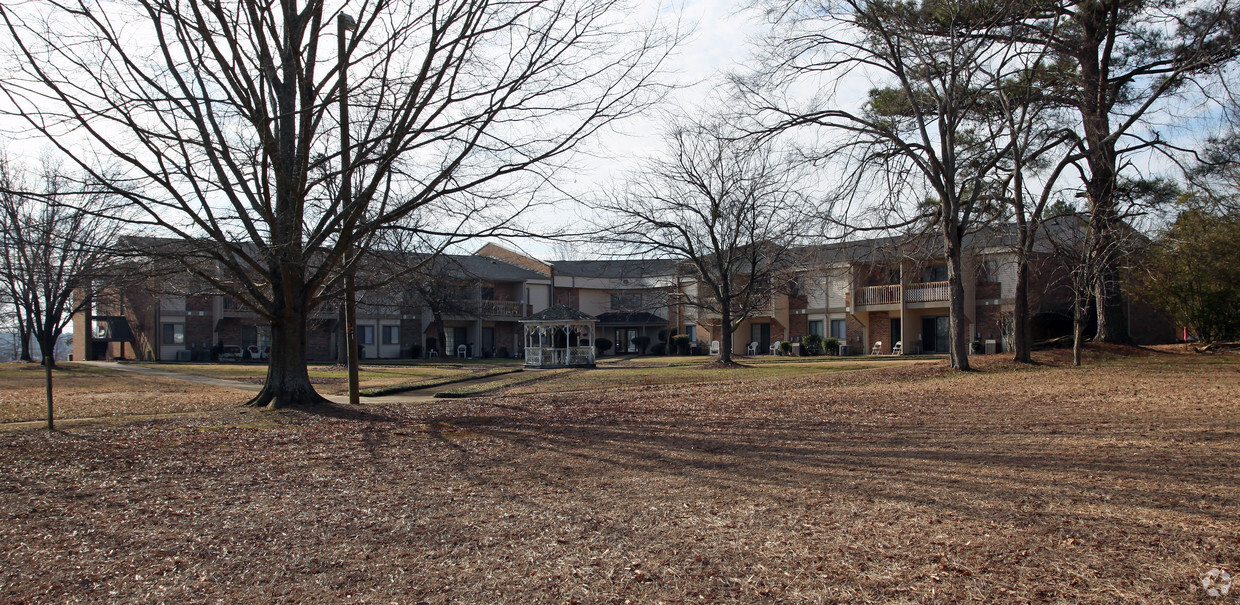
(391, 335)
(366, 335)
(691, 332)
(815, 327)
(838, 330)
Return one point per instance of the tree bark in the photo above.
(959, 344)
(47, 376)
(1078, 329)
(726, 336)
(288, 379)
(1020, 312)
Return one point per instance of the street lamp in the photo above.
(346, 23)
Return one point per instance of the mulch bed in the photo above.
(1112, 483)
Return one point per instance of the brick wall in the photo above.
(880, 331)
(854, 330)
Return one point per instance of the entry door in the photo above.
(760, 333)
(488, 339)
(896, 335)
(934, 334)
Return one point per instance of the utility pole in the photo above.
(347, 23)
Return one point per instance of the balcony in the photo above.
(935, 291)
(877, 295)
(495, 308)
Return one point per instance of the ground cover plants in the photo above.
(1112, 483)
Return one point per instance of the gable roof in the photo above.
(615, 268)
(560, 313)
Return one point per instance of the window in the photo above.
(627, 301)
(837, 329)
(102, 329)
(691, 332)
(366, 335)
(988, 272)
(815, 327)
(391, 335)
(934, 273)
(488, 293)
(174, 334)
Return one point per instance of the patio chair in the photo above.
(898, 349)
(877, 349)
(432, 353)
(775, 348)
(462, 351)
(714, 347)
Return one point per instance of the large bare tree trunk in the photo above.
(726, 335)
(1020, 312)
(288, 379)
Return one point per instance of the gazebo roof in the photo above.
(560, 313)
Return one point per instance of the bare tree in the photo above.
(53, 232)
(913, 148)
(222, 120)
(727, 207)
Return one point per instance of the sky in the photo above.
(719, 39)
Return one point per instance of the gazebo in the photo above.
(559, 337)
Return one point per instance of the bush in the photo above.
(641, 342)
(415, 351)
(831, 345)
(785, 347)
(602, 345)
(682, 344)
(659, 349)
(811, 344)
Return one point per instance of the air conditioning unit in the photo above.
(992, 347)
(184, 355)
(844, 350)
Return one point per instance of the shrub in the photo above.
(682, 344)
(785, 347)
(415, 351)
(641, 342)
(602, 345)
(659, 349)
(811, 344)
(831, 345)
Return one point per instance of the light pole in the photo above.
(346, 23)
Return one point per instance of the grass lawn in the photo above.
(84, 391)
(1113, 483)
(642, 373)
(333, 379)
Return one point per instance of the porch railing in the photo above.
(495, 308)
(877, 295)
(927, 292)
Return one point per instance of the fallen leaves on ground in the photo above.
(912, 484)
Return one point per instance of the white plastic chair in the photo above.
(432, 353)
(775, 348)
(714, 347)
(877, 349)
(461, 351)
(898, 349)
(752, 349)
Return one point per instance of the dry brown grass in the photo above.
(82, 391)
(1113, 483)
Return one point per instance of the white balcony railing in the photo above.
(934, 291)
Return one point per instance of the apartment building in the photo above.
(875, 296)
